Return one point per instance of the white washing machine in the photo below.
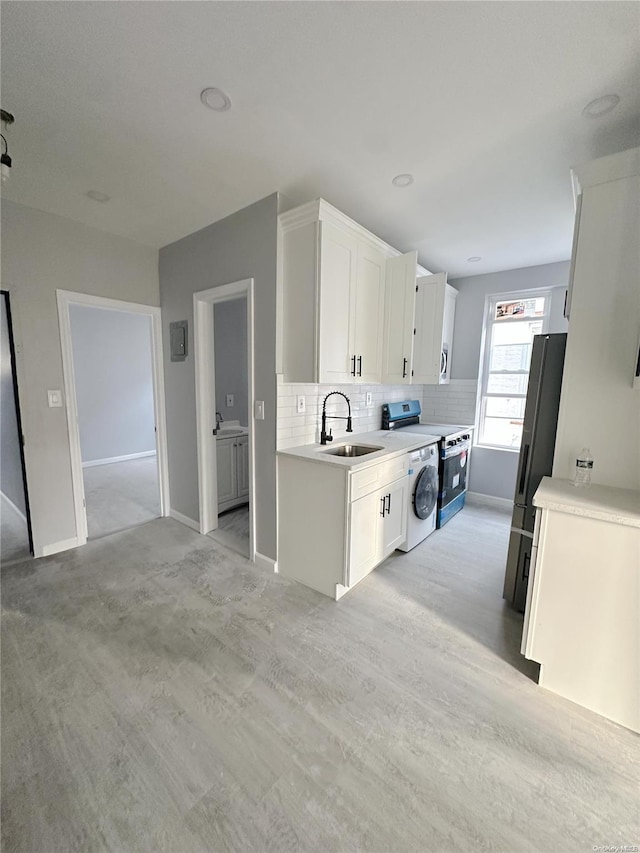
(423, 495)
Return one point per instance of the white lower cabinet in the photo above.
(377, 525)
(334, 525)
(232, 459)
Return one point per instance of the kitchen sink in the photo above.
(352, 450)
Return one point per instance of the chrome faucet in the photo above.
(219, 420)
(324, 436)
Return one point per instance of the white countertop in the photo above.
(606, 503)
(391, 443)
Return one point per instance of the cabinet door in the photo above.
(427, 349)
(338, 261)
(364, 534)
(447, 334)
(226, 459)
(394, 523)
(399, 312)
(368, 318)
(243, 466)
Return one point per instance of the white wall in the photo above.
(230, 339)
(599, 407)
(493, 472)
(244, 245)
(11, 483)
(41, 253)
(114, 382)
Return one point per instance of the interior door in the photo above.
(399, 315)
(369, 314)
(226, 459)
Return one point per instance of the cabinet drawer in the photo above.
(377, 476)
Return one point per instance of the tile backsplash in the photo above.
(454, 403)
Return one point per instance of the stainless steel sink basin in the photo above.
(352, 450)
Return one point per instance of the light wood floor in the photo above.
(162, 694)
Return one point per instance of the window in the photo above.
(511, 322)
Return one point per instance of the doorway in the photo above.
(115, 408)
(223, 342)
(15, 521)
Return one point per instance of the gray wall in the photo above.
(114, 382)
(241, 246)
(230, 338)
(40, 253)
(11, 484)
(493, 472)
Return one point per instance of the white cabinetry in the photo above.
(435, 315)
(599, 407)
(336, 525)
(232, 459)
(581, 617)
(332, 281)
(399, 317)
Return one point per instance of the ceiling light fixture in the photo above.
(402, 180)
(474, 259)
(215, 99)
(5, 159)
(601, 106)
(96, 195)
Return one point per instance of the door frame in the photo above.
(65, 299)
(205, 377)
(6, 296)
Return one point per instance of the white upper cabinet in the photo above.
(399, 316)
(435, 314)
(333, 279)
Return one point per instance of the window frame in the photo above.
(488, 323)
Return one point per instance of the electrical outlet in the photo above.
(258, 410)
(230, 401)
(55, 399)
(369, 398)
(302, 405)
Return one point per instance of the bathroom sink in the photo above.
(229, 433)
(352, 450)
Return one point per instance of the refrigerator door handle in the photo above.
(524, 470)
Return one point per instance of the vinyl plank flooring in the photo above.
(160, 693)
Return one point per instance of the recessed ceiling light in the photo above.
(96, 195)
(402, 180)
(474, 259)
(215, 99)
(601, 106)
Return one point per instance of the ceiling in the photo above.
(481, 102)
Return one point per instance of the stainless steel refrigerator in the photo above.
(536, 457)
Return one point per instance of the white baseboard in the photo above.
(56, 547)
(267, 563)
(112, 459)
(13, 506)
(183, 519)
(489, 500)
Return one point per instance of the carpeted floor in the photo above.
(121, 495)
(160, 693)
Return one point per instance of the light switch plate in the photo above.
(258, 410)
(230, 401)
(301, 405)
(55, 399)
